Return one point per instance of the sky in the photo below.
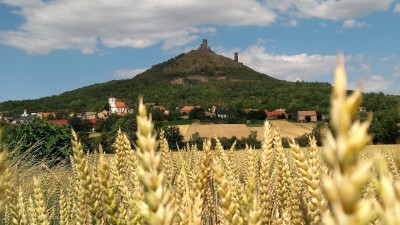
(48, 47)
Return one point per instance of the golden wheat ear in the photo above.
(3, 167)
(157, 205)
(343, 191)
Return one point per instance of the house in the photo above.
(25, 117)
(118, 106)
(211, 112)
(102, 115)
(185, 110)
(43, 115)
(221, 113)
(301, 116)
(90, 115)
(277, 113)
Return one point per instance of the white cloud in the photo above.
(69, 24)
(330, 9)
(323, 24)
(352, 23)
(397, 8)
(287, 67)
(373, 83)
(128, 73)
(396, 71)
(293, 23)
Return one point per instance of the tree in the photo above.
(61, 115)
(157, 114)
(320, 130)
(80, 125)
(197, 114)
(45, 141)
(197, 140)
(174, 137)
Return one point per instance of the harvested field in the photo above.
(219, 130)
(288, 129)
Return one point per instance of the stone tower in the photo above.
(204, 46)
(236, 57)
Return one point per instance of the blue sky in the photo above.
(49, 47)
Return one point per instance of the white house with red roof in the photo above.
(118, 106)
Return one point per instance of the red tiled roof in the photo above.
(187, 108)
(120, 104)
(274, 113)
(59, 122)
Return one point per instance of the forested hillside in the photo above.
(201, 77)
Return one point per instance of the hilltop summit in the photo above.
(198, 77)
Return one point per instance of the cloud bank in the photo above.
(85, 25)
(286, 67)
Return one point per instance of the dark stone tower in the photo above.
(236, 57)
(204, 46)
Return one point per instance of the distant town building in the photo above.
(25, 117)
(221, 113)
(118, 106)
(44, 115)
(301, 116)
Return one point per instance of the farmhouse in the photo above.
(302, 115)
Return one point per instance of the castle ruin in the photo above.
(204, 46)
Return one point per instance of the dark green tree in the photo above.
(197, 140)
(80, 125)
(174, 137)
(197, 114)
(45, 141)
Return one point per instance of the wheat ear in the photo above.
(157, 206)
(343, 191)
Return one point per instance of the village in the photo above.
(122, 109)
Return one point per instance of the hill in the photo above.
(199, 77)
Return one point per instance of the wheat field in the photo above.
(344, 182)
